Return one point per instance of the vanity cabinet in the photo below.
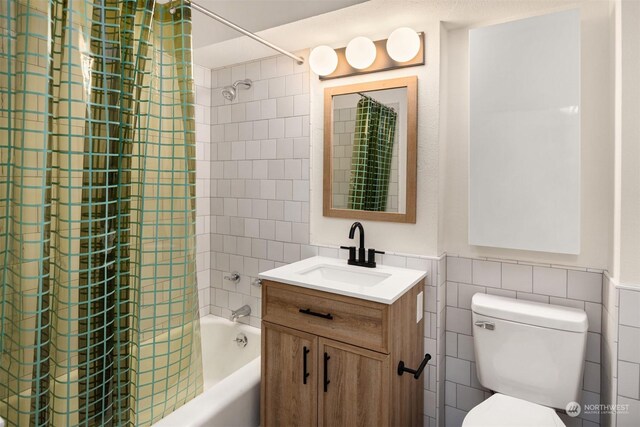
(330, 360)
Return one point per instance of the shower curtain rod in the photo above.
(230, 24)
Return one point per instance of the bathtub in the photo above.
(231, 395)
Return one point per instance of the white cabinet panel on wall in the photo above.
(524, 180)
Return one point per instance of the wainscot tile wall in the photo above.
(628, 357)
(609, 349)
(579, 288)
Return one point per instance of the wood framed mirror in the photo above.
(370, 150)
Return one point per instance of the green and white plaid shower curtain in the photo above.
(98, 299)
(371, 158)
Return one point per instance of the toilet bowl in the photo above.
(505, 411)
(531, 355)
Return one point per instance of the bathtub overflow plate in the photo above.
(241, 340)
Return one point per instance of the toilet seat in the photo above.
(505, 411)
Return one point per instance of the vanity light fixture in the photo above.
(404, 48)
(403, 44)
(323, 60)
(361, 52)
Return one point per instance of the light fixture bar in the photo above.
(382, 62)
(210, 14)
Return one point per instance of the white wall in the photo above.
(626, 268)
(420, 238)
(597, 149)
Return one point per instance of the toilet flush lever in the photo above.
(485, 325)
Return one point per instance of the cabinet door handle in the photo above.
(313, 313)
(305, 374)
(326, 371)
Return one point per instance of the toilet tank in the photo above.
(529, 350)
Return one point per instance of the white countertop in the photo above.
(393, 281)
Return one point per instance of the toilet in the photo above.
(531, 355)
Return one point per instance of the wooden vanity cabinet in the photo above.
(329, 360)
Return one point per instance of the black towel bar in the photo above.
(416, 372)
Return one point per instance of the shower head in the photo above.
(230, 92)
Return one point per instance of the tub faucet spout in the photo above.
(243, 311)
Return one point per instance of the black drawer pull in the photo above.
(326, 371)
(313, 313)
(305, 374)
(416, 372)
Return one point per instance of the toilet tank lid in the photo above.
(531, 313)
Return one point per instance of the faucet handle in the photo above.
(233, 277)
(352, 252)
(371, 258)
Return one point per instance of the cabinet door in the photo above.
(353, 386)
(289, 377)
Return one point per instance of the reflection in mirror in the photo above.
(369, 150)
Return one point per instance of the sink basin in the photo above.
(384, 284)
(344, 275)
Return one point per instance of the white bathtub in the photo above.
(231, 394)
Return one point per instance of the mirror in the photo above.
(370, 150)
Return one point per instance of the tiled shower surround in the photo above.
(202, 77)
(253, 215)
(259, 188)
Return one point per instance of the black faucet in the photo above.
(360, 261)
(357, 226)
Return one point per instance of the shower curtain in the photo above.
(98, 301)
(371, 157)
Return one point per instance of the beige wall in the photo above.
(596, 140)
(626, 250)
(442, 209)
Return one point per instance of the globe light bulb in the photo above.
(361, 52)
(323, 60)
(403, 44)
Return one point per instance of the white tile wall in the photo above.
(628, 370)
(550, 281)
(259, 188)
(202, 77)
(629, 308)
(517, 280)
